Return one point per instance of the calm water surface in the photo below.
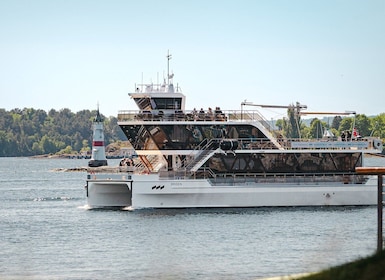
(46, 233)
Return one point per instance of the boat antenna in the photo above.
(168, 66)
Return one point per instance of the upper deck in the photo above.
(216, 115)
(246, 117)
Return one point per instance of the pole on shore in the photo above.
(379, 212)
(379, 171)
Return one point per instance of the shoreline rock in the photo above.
(100, 169)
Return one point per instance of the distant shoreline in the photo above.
(72, 156)
(100, 169)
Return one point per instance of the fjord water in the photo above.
(47, 233)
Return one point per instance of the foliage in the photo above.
(336, 122)
(317, 128)
(293, 124)
(370, 268)
(29, 132)
(378, 126)
(366, 126)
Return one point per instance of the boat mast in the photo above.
(168, 66)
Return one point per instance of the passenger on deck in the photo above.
(126, 162)
(218, 114)
(349, 136)
(201, 114)
(356, 135)
(195, 114)
(210, 114)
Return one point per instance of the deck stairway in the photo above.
(149, 163)
(141, 135)
(205, 152)
(200, 160)
(264, 127)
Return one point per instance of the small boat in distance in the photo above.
(227, 158)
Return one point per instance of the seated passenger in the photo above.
(210, 114)
(218, 114)
(201, 114)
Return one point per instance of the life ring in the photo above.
(229, 145)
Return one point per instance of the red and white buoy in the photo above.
(98, 157)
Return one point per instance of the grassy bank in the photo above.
(370, 268)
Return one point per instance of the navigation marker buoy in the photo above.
(98, 157)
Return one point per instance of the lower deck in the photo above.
(153, 191)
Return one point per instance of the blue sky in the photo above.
(329, 55)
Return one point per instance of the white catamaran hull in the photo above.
(149, 192)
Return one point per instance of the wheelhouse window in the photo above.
(143, 103)
(168, 103)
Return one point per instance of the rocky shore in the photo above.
(100, 169)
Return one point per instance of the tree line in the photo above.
(29, 132)
(294, 127)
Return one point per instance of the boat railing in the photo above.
(264, 143)
(116, 176)
(193, 115)
(205, 173)
(248, 178)
(157, 88)
(335, 143)
(256, 115)
(366, 143)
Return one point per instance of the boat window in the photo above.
(143, 103)
(168, 103)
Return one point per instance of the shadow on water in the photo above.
(229, 211)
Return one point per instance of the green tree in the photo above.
(316, 128)
(363, 125)
(346, 124)
(336, 122)
(86, 147)
(293, 125)
(279, 124)
(378, 126)
(66, 150)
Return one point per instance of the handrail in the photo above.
(192, 115)
(277, 176)
(204, 145)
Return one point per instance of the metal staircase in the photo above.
(141, 135)
(200, 160)
(264, 127)
(205, 152)
(149, 163)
